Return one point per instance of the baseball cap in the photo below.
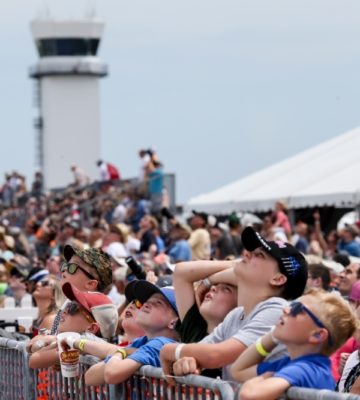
(36, 274)
(98, 305)
(142, 290)
(96, 259)
(202, 215)
(291, 262)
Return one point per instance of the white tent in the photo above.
(325, 175)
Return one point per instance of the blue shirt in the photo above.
(156, 181)
(309, 371)
(148, 352)
(180, 251)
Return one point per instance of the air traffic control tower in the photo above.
(67, 94)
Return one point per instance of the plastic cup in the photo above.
(69, 359)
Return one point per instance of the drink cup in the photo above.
(69, 359)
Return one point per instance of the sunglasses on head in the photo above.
(71, 268)
(72, 308)
(297, 308)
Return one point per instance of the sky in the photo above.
(221, 88)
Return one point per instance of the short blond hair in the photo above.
(338, 317)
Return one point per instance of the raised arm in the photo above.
(186, 273)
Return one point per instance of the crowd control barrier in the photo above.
(18, 382)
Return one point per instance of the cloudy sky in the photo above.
(221, 88)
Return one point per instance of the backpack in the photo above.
(113, 172)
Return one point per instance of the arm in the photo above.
(202, 355)
(318, 232)
(118, 370)
(97, 349)
(245, 367)
(44, 358)
(186, 274)
(356, 387)
(263, 387)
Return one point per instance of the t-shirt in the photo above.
(309, 371)
(351, 362)
(200, 244)
(180, 251)
(192, 329)
(148, 352)
(248, 328)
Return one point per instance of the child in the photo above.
(157, 317)
(309, 340)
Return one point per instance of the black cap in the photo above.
(202, 215)
(291, 262)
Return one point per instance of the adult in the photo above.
(199, 240)
(347, 244)
(348, 277)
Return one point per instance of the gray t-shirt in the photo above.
(246, 329)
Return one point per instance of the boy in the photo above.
(269, 274)
(309, 340)
(157, 316)
(90, 313)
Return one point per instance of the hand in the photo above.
(39, 342)
(343, 359)
(186, 366)
(151, 277)
(200, 293)
(316, 215)
(167, 354)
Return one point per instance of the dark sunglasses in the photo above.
(136, 303)
(297, 308)
(44, 283)
(72, 308)
(71, 268)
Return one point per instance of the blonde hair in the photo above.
(59, 297)
(338, 317)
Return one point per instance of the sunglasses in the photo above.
(71, 268)
(136, 303)
(72, 308)
(297, 308)
(44, 283)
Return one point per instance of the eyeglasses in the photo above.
(297, 308)
(136, 303)
(72, 308)
(71, 268)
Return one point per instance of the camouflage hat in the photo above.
(95, 258)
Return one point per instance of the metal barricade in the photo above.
(15, 379)
(18, 382)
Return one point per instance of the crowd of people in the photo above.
(271, 305)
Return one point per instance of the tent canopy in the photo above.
(324, 175)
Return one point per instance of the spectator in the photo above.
(348, 277)
(49, 298)
(348, 245)
(179, 248)
(87, 270)
(319, 277)
(157, 316)
(147, 237)
(269, 274)
(282, 220)
(199, 240)
(310, 333)
(91, 314)
(80, 177)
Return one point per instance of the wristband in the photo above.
(260, 348)
(122, 352)
(273, 338)
(206, 282)
(178, 350)
(82, 344)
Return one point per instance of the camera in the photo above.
(135, 267)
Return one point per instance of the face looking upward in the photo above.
(156, 314)
(75, 319)
(84, 278)
(218, 301)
